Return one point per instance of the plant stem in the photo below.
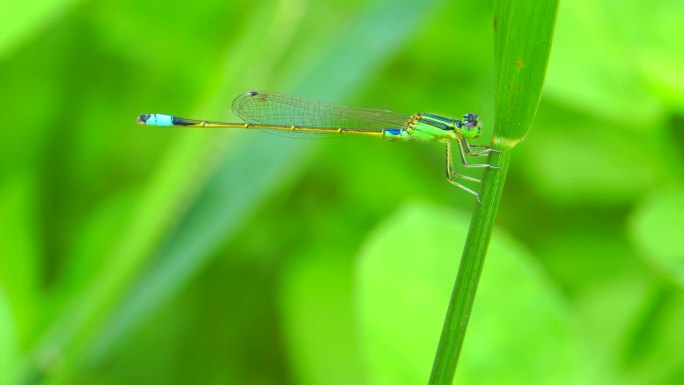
(463, 294)
(523, 31)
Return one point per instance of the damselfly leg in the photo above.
(451, 173)
(465, 149)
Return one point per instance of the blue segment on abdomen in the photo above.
(160, 120)
(396, 134)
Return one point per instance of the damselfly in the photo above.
(275, 111)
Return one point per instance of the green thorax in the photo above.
(431, 127)
(436, 128)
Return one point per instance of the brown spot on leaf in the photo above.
(518, 64)
(494, 23)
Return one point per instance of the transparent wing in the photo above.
(265, 107)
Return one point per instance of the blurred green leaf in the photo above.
(623, 55)
(21, 19)
(317, 309)
(653, 352)
(8, 344)
(608, 306)
(520, 331)
(656, 228)
(585, 160)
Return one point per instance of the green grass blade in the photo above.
(522, 34)
(523, 31)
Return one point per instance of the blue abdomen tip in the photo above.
(160, 120)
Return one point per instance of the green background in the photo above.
(134, 255)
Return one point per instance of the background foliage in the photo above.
(136, 255)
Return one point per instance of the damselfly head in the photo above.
(470, 119)
(470, 126)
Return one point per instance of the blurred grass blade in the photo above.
(214, 215)
(21, 19)
(522, 41)
(224, 205)
(20, 261)
(177, 178)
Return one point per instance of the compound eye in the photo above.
(470, 120)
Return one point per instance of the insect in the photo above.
(298, 115)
